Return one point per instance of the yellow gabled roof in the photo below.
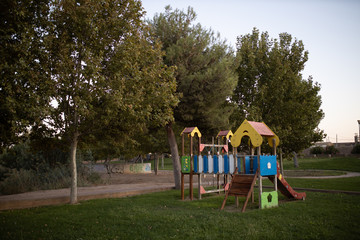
(255, 131)
(191, 131)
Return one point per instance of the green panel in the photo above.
(269, 199)
(185, 164)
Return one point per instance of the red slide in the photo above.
(285, 188)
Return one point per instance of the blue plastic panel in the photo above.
(248, 164)
(268, 165)
(239, 164)
(226, 164)
(216, 164)
(196, 163)
(206, 164)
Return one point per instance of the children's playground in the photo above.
(236, 173)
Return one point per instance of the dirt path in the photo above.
(118, 185)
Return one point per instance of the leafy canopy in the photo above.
(270, 88)
(205, 69)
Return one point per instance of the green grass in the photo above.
(337, 163)
(167, 164)
(345, 184)
(164, 216)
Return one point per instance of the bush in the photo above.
(331, 150)
(19, 181)
(22, 170)
(317, 150)
(356, 149)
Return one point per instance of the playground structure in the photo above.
(244, 170)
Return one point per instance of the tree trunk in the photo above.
(73, 189)
(174, 155)
(296, 164)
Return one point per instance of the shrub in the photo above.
(22, 170)
(317, 150)
(356, 149)
(331, 150)
(19, 181)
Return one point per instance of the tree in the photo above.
(271, 89)
(205, 74)
(108, 80)
(23, 68)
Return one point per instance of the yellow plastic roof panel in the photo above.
(246, 129)
(191, 131)
(227, 134)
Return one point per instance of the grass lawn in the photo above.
(336, 163)
(346, 184)
(163, 216)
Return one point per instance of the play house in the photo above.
(243, 170)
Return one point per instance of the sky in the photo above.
(329, 29)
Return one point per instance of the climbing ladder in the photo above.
(242, 185)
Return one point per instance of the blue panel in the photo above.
(249, 163)
(226, 164)
(216, 164)
(206, 165)
(239, 164)
(268, 165)
(195, 163)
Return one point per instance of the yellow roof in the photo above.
(255, 131)
(191, 131)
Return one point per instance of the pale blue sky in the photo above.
(329, 29)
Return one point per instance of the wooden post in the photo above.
(260, 178)
(191, 169)
(199, 174)
(162, 161)
(274, 152)
(219, 148)
(156, 166)
(281, 163)
(213, 143)
(199, 186)
(235, 157)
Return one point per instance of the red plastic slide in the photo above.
(285, 188)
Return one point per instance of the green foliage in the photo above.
(23, 68)
(23, 170)
(44, 178)
(331, 150)
(317, 150)
(22, 156)
(205, 70)
(356, 149)
(271, 89)
(115, 84)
